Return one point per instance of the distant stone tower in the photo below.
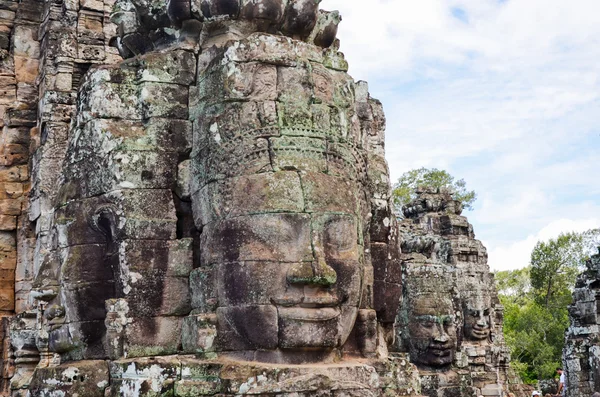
(450, 317)
(581, 355)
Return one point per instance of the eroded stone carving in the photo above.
(431, 331)
(280, 194)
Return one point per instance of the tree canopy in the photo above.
(405, 189)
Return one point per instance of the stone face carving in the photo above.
(279, 192)
(581, 354)
(431, 330)
(479, 309)
(477, 315)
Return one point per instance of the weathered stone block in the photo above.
(111, 100)
(143, 170)
(17, 173)
(235, 333)
(88, 52)
(327, 193)
(89, 378)
(177, 67)
(151, 293)
(164, 100)
(8, 90)
(7, 298)
(184, 182)
(10, 206)
(92, 5)
(261, 193)
(8, 242)
(87, 302)
(202, 285)
(86, 263)
(25, 42)
(156, 336)
(11, 190)
(266, 237)
(8, 222)
(148, 377)
(198, 336)
(150, 214)
(8, 261)
(250, 81)
(279, 51)
(26, 69)
(259, 284)
(173, 258)
(299, 154)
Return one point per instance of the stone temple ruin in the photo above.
(581, 355)
(195, 201)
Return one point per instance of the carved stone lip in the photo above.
(309, 314)
(440, 351)
(480, 333)
(307, 301)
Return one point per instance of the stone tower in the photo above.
(581, 355)
(450, 318)
(196, 202)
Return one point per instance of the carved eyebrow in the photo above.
(435, 319)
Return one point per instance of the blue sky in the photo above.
(505, 94)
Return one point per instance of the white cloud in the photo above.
(506, 98)
(517, 254)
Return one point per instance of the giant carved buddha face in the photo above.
(431, 337)
(286, 281)
(279, 195)
(286, 245)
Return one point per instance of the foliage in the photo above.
(513, 285)
(535, 336)
(535, 302)
(556, 263)
(404, 190)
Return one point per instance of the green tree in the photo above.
(405, 189)
(535, 302)
(556, 263)
(514, 286)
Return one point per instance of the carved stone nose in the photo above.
(312, 273)
(441, 335)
